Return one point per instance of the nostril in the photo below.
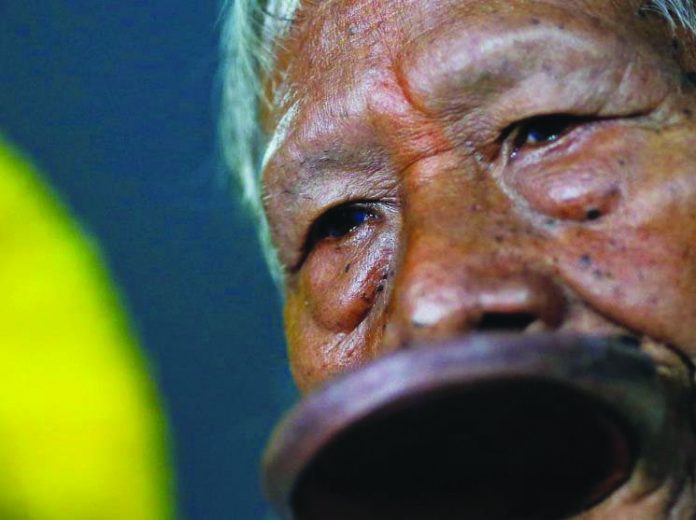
(505, 321)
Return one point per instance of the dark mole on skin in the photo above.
(598, 273)
(348, 266)
(586, 260)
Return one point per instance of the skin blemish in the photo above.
(347, 268)
(585, 260)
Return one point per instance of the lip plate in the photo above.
(622, 378)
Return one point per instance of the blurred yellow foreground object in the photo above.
(81, 432)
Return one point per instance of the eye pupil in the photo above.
(546, 129)
(541, 135)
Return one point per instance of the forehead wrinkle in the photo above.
(312, 122)
(315, 134)
(320, 35)
(302, 175)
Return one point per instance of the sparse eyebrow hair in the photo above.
(249, 34)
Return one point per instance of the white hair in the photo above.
(250, 32)
(678, 12)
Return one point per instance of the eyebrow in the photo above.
(357, 160)
(326, 138)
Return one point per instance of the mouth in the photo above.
(486, 427)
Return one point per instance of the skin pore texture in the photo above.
(444, 167)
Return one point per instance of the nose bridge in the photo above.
(468, 263)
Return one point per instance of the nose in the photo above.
(470, 260)
(441, 293)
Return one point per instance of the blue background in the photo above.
(116, 102)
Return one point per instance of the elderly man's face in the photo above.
(449, 166)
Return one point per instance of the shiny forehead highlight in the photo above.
(250, 32)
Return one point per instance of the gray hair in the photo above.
(250, 31)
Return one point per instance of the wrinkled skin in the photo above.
(463, 208)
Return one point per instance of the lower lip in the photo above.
(489, 426)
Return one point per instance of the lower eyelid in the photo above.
(581, 179)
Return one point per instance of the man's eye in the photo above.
(339, 222)
(542, 130)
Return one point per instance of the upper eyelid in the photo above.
(579, 123)
(613, 100)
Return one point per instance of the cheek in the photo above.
(327, 314)
(638, 264)
(636, 278)
(342, 281)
